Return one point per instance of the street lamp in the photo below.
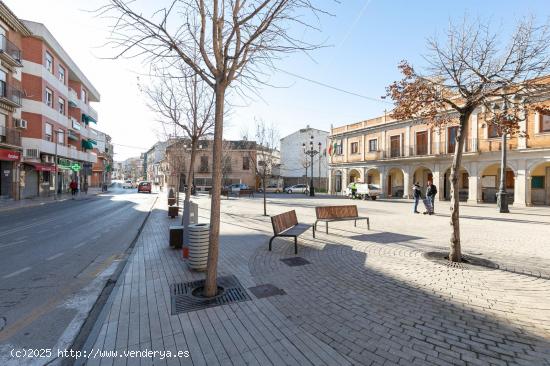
(311, 153)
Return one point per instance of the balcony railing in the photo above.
(10, 136)
(10, 49)
(10, 94)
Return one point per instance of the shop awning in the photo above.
(87, 119)
(42, 167)
(9, 155)
(86, 144)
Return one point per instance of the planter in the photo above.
(171, 201)
(176, 236)
(198, 246)
(173, 211)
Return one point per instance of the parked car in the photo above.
(145, 187)
(128, 184)
(272, 188)
(297, 188)
(236, 187)
(364, 191)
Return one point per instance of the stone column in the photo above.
(438, 141)
(522, 140)
(383, 187)
(407, 182)
(407, 142)
(474, 190)
(345, 173)
(330, 184)
(473, 132)
(438, 179)
(520, 188)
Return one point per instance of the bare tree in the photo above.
(265, 155)
(468, 72)
(234, 38)
(185, 104)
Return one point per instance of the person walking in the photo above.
(73, 186)
(417, 194)
(431, 191)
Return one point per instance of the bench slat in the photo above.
(336, 212)
(283, 221)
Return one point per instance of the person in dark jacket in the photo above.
(431, 191)
(417, 195)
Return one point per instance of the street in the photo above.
(54, 261)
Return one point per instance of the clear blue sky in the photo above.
(368, 38)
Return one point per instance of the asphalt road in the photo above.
(54, 260)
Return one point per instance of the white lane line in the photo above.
(17, 272)
(79, 245)
(54, 256)
(12, 243)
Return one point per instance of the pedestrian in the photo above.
(417, 194)
(85, 187)
(353, 190)
(74, 187)
(431, 191)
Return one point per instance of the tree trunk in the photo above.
(265, 199)
(186, 205)
(211, 287)
(455, 254)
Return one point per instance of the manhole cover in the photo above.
(266, 290)
(468, 261)
(294, 261)
(184, 299)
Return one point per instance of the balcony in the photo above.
(10, 95)
(73, 98)
(92, 112)
(9, 52)
(10, 136)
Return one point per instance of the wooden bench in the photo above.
(338, 213)
(246, 192)
(286, 225)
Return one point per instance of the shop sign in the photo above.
(10, 155)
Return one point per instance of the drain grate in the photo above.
(295, 261)
(183, 300)
(266, 290)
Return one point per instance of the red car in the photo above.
(144, 187)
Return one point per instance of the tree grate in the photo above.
(183, 300)
(295, 261)
(266, 290)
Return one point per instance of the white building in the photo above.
(294, 162)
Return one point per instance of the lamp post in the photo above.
(311, 153)
(502, 195)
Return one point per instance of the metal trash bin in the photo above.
(176, 236)
(198, 246)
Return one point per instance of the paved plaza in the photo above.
(365, 298)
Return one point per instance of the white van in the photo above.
(364, 191)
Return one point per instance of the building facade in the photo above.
(395, 154)
(102, 169)
(294, 162)
(12, 32)
(131, 168)
(57, 142)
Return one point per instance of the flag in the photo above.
(330, 150)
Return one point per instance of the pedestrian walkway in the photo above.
(6, 205)
(363, 298)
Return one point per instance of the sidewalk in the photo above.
(361, 299)
(7, 205)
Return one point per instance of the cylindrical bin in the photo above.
(198, 246)
(171, 201)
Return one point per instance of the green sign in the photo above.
(69, 165)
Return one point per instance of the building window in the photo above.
(49, 62)
(48, 131)
(395, 146)
(340, 149)
(61, 138)
(373, 145)
(451, 139)
(203, 168)
(492, 131)
(61, 74)
(49, 97)
(545, 123)
(355, 148)
(61, 105)
(422, 143)
(246, 163)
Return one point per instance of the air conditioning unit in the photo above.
(32, 153)
(21, 123)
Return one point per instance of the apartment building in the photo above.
(296, 165)
(58, 114)
(12, 32)
(102, 169)
(395, 154)
(237, 164)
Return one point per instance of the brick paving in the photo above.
(366, 298)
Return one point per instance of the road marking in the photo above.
(54, 256)
(12, 243)
(17, 272)
(79, 245)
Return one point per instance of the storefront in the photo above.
(8, 173)
(45, 178)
